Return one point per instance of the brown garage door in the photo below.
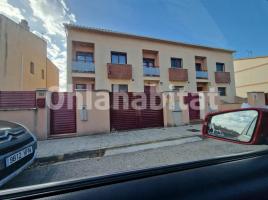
(63, 113)
(131, 118)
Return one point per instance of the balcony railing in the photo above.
(83, 67)
(201, 74)
(151, 71)
(119, 71)
(222, 77)
(178, 74)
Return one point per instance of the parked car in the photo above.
(17, 150)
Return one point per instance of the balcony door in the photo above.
(198, 67)
(86, 57)
(148, 62)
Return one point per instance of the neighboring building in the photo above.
(251, 75)
(52, 75)
(101, 59)
(23, 58)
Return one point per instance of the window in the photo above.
(198, 67)
(148, 62)
(118, 58)
(43, 74)
(80, 86)
(84, 57)
(119, 88)
(176, 62)
(177, 88)
(32, 68)
(220, 67)
(222, 91)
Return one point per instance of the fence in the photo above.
(17, 99)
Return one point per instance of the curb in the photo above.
(94, 153)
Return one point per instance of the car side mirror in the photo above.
(244, 126)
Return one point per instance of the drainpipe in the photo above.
(22, 72)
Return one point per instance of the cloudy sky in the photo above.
(240, 25)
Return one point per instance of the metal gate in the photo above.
(62, 113)
(194, 106)
(128, 117)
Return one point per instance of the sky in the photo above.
(240, 25)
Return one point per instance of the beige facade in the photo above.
(132, 73)
(251, 75)
(52, 75)
(23, 58)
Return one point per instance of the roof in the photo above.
(106, 31)
(249, 58)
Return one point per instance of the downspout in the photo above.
(21, 73)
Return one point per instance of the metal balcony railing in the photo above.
(202, 74)
(84, 67)
(151, 71)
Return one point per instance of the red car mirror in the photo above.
(244, 126)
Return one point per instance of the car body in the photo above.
(17, 150)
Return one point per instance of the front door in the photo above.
(62, 116)
(149, 89)
(194, 106)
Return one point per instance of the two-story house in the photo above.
(102, 59)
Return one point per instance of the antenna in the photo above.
(249, 52)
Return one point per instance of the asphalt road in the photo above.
(82, 168)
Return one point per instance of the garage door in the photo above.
(124, 116)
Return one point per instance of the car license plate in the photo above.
(18, 156)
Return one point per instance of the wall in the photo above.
(231, 106)
(104, 43)
(256, 98)
(251, 75)
(98, 121)
(52, 75)
(23, 109)
(19, 48)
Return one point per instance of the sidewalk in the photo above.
(95, 145)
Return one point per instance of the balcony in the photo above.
(119, 71)
(222, 77)
(151, 71)
(177, 74)
(83, 67)
(201, 74)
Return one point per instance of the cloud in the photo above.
(10, 11)
(52, 17)
(46, 19)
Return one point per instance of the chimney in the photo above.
(24, 24)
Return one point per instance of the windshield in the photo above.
(109, 86)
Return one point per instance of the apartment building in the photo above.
(101, 59)
(251, 75)
(23, 59)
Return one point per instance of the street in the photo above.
(121, 162)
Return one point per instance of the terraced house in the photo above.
(101, 59)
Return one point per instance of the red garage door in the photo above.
(62, 113)
(128, 117)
